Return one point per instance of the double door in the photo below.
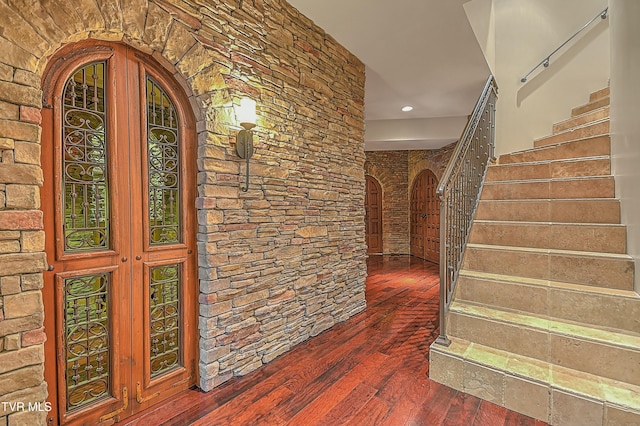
(120, 294)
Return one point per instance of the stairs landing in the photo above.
(545, 320)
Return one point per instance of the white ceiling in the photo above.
(421, 53)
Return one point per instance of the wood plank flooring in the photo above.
(369, 370)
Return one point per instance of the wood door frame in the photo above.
(59, 68)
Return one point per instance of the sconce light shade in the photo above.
(246, 114)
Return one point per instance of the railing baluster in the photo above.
(459, 191)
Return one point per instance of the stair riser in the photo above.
(591, 147)
(600, 310)
(596, 129)
(599, 167)
(544, 400)
(600, 94)
(590, 106)
(597, 309)
(597, 271)
(579, 188)
(613, 362)
(563, 211)
(604, 239)
(597, 115)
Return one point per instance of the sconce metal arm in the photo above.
(245, 149)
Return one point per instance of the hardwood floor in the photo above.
(369, 370)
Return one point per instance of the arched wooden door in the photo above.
(425, 217)
(121, 292)
(373, 215)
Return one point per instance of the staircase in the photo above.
(545, 320)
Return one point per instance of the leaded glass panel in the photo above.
(164, 167)
(164, 318)
(84, 161)
(87, 349)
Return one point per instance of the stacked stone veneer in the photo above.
(396, 171)
(277, 264)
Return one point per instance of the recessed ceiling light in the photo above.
(407, 108)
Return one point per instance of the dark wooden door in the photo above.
(120, 299)
(425, 217)
(373, 215)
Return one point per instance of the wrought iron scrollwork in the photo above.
(84, 161)
(163, 153)
(164, 318)
(86, 339)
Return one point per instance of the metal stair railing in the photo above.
(459, 192)
(545, 62)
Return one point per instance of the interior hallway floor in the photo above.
(369, 370)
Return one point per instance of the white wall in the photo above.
(524, 32)
(625, 117)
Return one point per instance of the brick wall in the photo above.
(395, 171)
(277, 264)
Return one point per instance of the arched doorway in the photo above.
(425, 217)
(373, 215)
(121, 292)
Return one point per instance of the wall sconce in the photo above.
(246, 115)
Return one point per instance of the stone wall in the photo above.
(435, 160)
(395, 171)
(277, 264)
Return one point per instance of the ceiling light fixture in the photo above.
(407, 108)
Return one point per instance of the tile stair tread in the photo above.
(550, 146)
(628, 294)
(619, 256)
(545, 203)
(537, 200)
(580, 116)
(591, 105)
(549, 324)
(573, 129)
(605, 92)
(557, 179)
(543, 162)
(598, 388)
(516, 223)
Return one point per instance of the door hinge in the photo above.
(139, 396)
(125, 405)
(192, 372)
